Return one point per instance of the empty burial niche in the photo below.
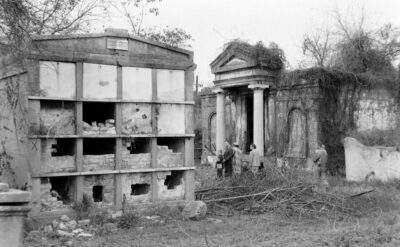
(138, 145)
(98, 193)
(140, 189)
(174, 180)
(62, 188)
(63, 147)
(98, 146)
(98, 112)
(176, 144)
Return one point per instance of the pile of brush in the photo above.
(292, 192)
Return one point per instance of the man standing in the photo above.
(237, 160)
(254, 159)
(228, 159)
(320, 159)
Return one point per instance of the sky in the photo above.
(214, 22)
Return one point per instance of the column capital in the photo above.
(258, 86)
(218, 90)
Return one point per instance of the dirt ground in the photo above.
(379, 228)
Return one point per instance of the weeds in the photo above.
(291, 193)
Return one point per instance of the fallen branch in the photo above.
(362, 193)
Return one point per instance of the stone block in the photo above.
(195, 210)
(15, 196)
(4, 187)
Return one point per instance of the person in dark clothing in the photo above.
(219, 164)
(228, 159)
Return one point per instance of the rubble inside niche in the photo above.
(50, 200)
(106, 128)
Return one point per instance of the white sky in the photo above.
(214, 22)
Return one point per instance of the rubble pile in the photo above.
(108, 127)
(50, 199)
(66, 227)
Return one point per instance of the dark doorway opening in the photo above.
(64, 187)
(250, 120)
(139, 145)
(98, 146)
(173, 180)
(140, 189)
(98, 193)
(176, 144)
(98, 112)
(63, 147)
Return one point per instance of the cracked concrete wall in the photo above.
(167, 158)
(99, 81)
(178, 193)
(98, 162)
(364, 163)
(171, 85)
(168, 112)
(57, 79)
(57, 119)
(14, 162)
(50, 163)
(132, 161)
(137, 83)
(376, 109)
(107, 181)
(139, 178)
(136, 119)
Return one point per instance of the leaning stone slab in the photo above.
(370, 162)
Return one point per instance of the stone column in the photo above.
(220, 139)
(258, 114)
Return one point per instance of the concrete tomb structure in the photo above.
(365, 163)
(107, 115)
(253, 102)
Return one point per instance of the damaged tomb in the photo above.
(110, 116)
(288, 113)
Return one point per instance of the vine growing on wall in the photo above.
(338, 96)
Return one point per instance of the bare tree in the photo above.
(318, 46)
(22, 19)
(135, 12)
(353, 45)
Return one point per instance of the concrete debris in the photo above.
(110, 227)
(4, 187)
(65, 218)
(214, 220)
(69, 243)
(195, 210)
(65, 233)
(62, 226)
(55, 223)
(84, 223)
(116, 215)
(85, 235)
(50, 199)
(48, 228)
(153, 217)
(69, 228)
(77, 231)
(108, 127)
(71, 224)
